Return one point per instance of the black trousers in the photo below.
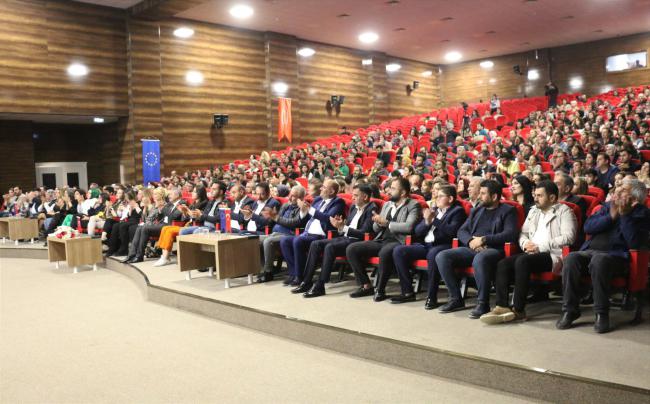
(517, 269)
(359, 253)
(121, 234)
(108, 226)
(601, 267)
(329, 250)
(148, 230)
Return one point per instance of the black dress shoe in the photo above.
(136, 260)
(302, 288)
(295, 282)
(409, 297)
(430, 304)
(361, 292)
(567, 319)
(265, 277)
(601, 325)
(379, 297)
(479, 310)
(452, 305)
(289, 280)
(315, 291)
(127, 259)
(538, 296)
(203, 269)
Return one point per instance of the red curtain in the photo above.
(284, 119)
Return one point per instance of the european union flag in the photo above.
(150, 160)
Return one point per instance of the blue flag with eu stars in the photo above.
(150, 160)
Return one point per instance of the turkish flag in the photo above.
(284, 119)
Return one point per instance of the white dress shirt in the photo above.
(252, 226)
(314, 227)
(355, 220)
(430, 238)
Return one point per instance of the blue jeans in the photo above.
(484, 263)
(193, 229)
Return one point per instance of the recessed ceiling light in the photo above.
(453, 56)
(183, 32)
(194, 77)
(241, 11)
(368, 37)
(393, 67)
(77, 70)
(306, 52)
(98, 120)
(446, 18)
(575, 83)
(366, 62)
(486, 64)
(533, 74)
(427, 73)
(280, 87)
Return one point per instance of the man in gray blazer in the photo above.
(396, 221)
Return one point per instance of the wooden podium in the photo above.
(230, 255)
(18, 228)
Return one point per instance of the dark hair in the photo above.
(222, 186)
(549, 187)
(605, 156)
(201, 194)
(493, 187)
(527, 185)
(130, 195)
(365, 188)
(404, 184)
(448, 190)
(264, 186)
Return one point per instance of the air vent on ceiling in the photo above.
(446, 18)
(491, 32)
(344, 15)
(392, 2)
(399, 29)
(446, 40)
(568, 17)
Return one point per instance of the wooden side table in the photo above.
(18, 228)
(75, 251)
(230, 255)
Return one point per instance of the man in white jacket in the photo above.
(549, 226)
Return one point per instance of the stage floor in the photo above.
(621, 356)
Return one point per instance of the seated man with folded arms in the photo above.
(434, 234)
(481, 238)
(549, 226)
(294, 249)
(621, 225)
(286, 221)
(253, 219)
(396, 221)
(348, 231)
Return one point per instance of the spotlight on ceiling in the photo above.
(183, 32)
(453, 56)
(280, 87)
(533, 74)
(194, 77)
(98, 120)
(241, 11)
(77, 70)
(306, 52)
(575, 83)
(393, 67)
(368, 37)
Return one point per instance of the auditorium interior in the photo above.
(399, 201)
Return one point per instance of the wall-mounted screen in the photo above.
(627, 61)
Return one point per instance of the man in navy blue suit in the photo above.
(254, 220)
(482, 237)
(621, 225)
(348, 231)
(294, 249)
(435, 232)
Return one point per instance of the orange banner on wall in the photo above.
(284, 119)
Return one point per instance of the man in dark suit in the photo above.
(381, 155)
(254, 221)
(294, 249)
(209, 217)
(240, 200)
(435, 232)
(170, 214)
(286, 221)
(353, 229)
(482, 237)
(618, 227)
(396, 221)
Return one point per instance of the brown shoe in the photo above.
(498, 315)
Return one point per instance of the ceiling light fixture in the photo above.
(533, 74)
(575, 83)
(366, 62)
(280, 87)
(306, 52)
(368, 37)
(453, 56)
(427, 73)
(183, 32)
(98, 120)
(241, 11)
(194, 77)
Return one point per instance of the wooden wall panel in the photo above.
(17, 162)
(469, 82)
(39, 39)
(586, 61)
(424, 99)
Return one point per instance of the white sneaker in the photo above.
(162, 262)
